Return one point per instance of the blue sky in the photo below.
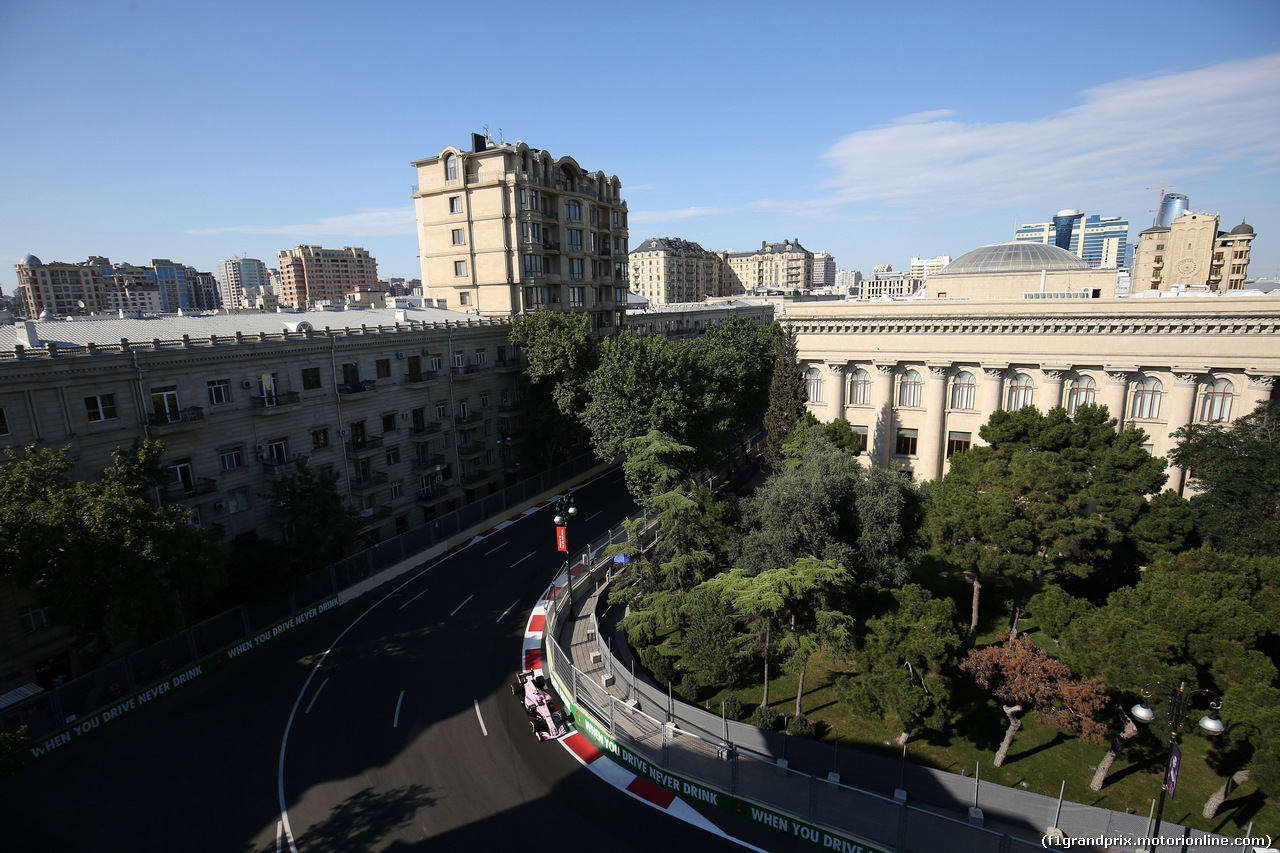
(141, 129)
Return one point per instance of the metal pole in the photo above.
(977, 765)
(1057, 815)
(902, 773)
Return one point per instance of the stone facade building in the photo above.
(1192, 252)
(774, 266)
(506, 229)
(667, 270)
(311, 276)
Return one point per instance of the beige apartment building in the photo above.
(415, 410)
(1192, 252)
(669, 270)
(507, 229)
(774, 266)
(311, 276)
(919, 378)
(62, 289)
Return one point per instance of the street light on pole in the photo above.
(1179, 706)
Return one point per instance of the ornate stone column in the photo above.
(1257, 391)
(933, 435)
(1115, 392)
(992, 389)
(880, 433)
(1181, 411)
(835, 406)
(1051, 387)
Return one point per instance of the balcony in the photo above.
(276, 467)
(508, 365)
(429, 462)
(471, 448)
(358, 387)
(371, 516)
(467, 418)
(551, 245)
(281, 399)
(427, 429)
(511, 408)
(183, 491)
(359, 447)
(466, 369)
(189, 415)
(370, 481)
(421, 376)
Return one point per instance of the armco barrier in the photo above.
(759, 774)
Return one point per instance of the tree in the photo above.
(1250, 744)
(1237, 479)
(833, 508)
(738, 358)
(787, 398)
(318, 525)
(838, 433)
(713, 640)
(559, 356)
(655, 464)
(1050, 496)
(794, 609)
(1025, 678)
(103, 557)
(906, 660)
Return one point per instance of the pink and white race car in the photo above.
(545, 718)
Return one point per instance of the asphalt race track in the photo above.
(406, 737)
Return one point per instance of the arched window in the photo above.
(1146, 398)
(962, 390)
(1080, 392)
(860, 388)
(814, 380)
(909, 389)
(1216, 404)
(1021, 392)
(450, 167)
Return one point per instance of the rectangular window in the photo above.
(484, 399)
(34, 618)
(576, 296)
(436, 362)
(319, 438)
(575, 239)
(393, 455)
(958, 442)
(442, 410)
(861, 433)
(479, 355)
(232, 458)
(459, 238)
(573, 210)
(459, 268)
(464, 298)
(219, 391)
(389, 422)
(310, 378)
(533, 264)
(455, 204)
(575, 269)
(100, 408)
(906, 445)
(238, 500)
(4, 423)
(396, 490)
(459, 359)
(382, 368)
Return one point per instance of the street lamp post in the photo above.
(564, 511)
(1179, 706)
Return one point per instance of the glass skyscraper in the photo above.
(1100, 241)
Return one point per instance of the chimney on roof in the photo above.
(478, 143)
(764, 244)
(27, 334)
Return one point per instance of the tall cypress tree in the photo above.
(787, 396)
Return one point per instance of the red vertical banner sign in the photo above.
(562, 539)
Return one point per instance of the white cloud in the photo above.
(1177, 126)
(649, 217)
(369, 222)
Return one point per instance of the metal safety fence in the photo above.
(806, 786)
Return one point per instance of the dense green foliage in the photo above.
(787, 397)
(1237, 471)
(103, 557)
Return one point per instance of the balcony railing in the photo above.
(364, 445)
(371, 481)
(467, 418)
(471, 448)
(358, 387)
(188, 415)
(277, 467)
(508, 364)
(273, 401)
(430, 462)
(420, 376)
(183, 491)
(465, 369)
(370, 516)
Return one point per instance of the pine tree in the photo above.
(787, 397)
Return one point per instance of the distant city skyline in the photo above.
(933, 157)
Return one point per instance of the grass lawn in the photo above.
(1039, 760)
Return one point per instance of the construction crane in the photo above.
(1164, 187)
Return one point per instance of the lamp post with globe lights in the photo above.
(1179, 706)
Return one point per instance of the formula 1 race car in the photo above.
(545, 718)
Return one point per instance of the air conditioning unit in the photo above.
(219, 506)
(262, 457)
(246, 384)
(260, 448)
(399, 355)
(404, 416)
(344, 432)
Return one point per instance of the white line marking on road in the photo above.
(279, 835)
(522, 559)
(460, 606)
(503, 545)
(595, 515)
(480, 718)
(317, 696)
(396, 723)
(508, 610)
(411, 601)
